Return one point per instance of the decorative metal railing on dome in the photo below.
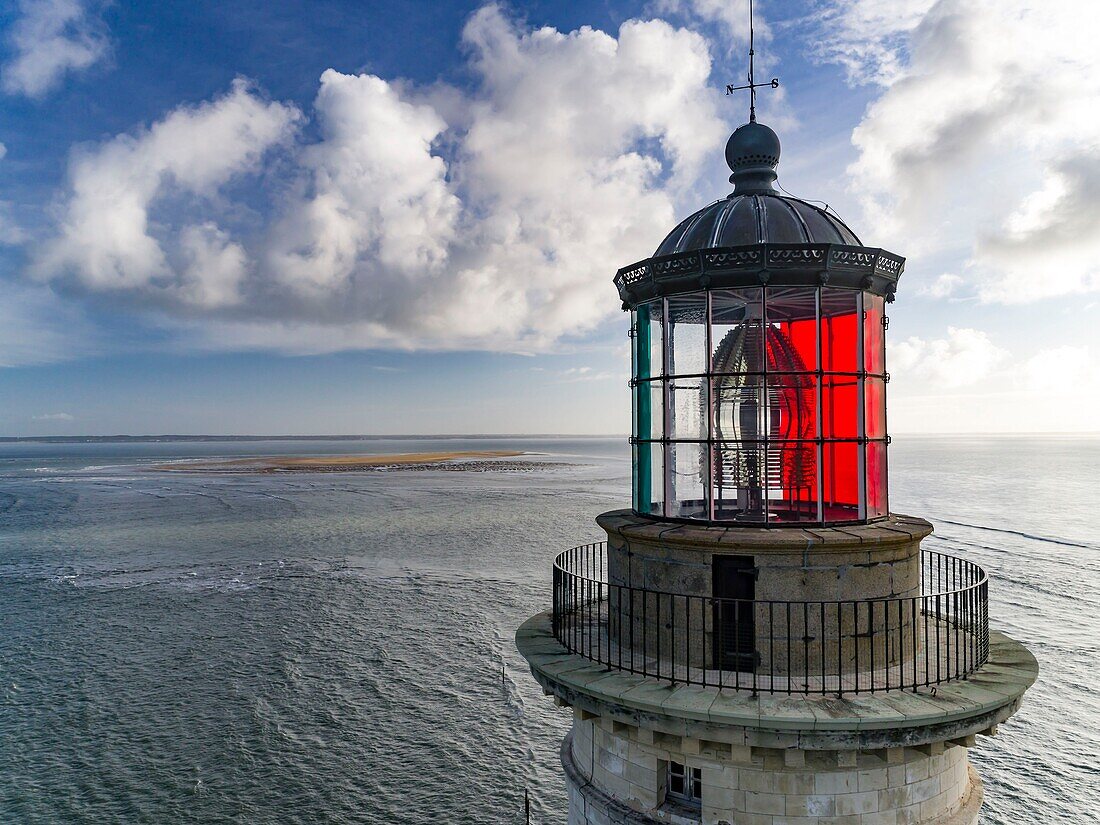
(789, 647)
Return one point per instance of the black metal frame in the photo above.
(939, 636)
(666, 379)
(773, 264)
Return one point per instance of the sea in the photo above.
(313, 648)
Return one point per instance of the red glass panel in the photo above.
(840, 406)
(874, 407)
(839, 330)
(876, 479)
(841, 480)
(874, 334)
(792, 322)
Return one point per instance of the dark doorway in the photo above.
(734, 613)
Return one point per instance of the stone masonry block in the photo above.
(836, 782)
(765, 803)
(794, 758)
(865, 802)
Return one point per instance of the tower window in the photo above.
(684, 784)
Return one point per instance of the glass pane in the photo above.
(689, 470)
(874, 333)
(841, 480)
(739, 481)
(688, 408)
(840, 406)
(643, 477)
(739, 407)
(635, 410)
(652, 494)
(649, 402)
(792, 329)
(792, 406)
(648, 412)
(874, 407)
(736, 331)
(648, 341)
(687, 335)
(794, 494)
(877, 504)
(839, 330)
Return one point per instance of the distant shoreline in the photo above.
(335, 463)
(153, 439)
(183, 439)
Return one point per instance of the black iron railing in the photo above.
(776, 646)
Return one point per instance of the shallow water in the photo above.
(338, 648)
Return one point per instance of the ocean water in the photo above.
(339, 647)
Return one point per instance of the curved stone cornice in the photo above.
(886, 719)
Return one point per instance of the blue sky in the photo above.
(334, 217)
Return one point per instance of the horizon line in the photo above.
(120, 437)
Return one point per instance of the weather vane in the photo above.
(752, 85)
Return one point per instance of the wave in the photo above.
(1045, 539)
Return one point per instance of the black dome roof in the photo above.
(758, 235)
(741, 220)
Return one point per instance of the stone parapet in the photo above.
(950, 711)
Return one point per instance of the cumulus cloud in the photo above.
(106, 239)
(964, 357)
(984, 139)
(59, 416)
(48, 39)
(435, 217)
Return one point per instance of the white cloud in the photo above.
(964, 357)
(106, 239)
(60, 416)
(731, 15)
(984, 140)
(421, 218)
(1061, 370)
(944, 286)
(48, 39)
(213, 267)
(377, 201)
(869, 37)
(1053, 390)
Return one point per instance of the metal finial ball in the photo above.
(752, 154)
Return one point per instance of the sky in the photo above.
(404, 218)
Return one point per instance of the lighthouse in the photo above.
(760, 641)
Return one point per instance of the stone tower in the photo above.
(760, 641)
